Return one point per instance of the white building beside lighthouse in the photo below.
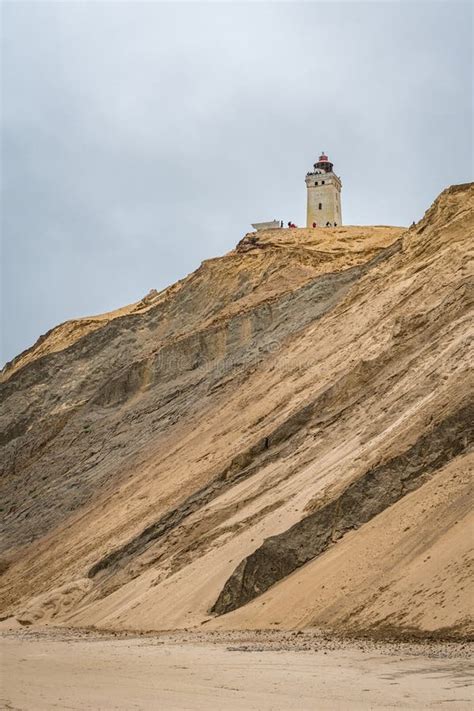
(323, 189)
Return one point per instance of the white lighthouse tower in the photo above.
(324, 195)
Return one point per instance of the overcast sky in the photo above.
(140, 138)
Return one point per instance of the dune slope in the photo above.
(280, 439)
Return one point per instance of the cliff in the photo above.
(281, 439)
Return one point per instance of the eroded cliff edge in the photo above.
(243, 441)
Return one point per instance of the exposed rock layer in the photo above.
(367, 496)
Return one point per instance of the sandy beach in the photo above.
(251, 672)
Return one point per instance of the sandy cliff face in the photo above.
(282, 439)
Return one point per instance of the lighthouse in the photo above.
(323, 188)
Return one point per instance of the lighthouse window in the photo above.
(316, 182)
(322, 182)
(320, 205)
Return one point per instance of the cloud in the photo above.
(141, 138)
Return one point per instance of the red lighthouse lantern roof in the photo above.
(323, 157)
